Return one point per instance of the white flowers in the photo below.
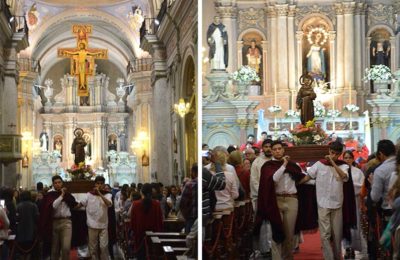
(292, 113)
(319, 109)
(351, 108)
(245, 74)
(333, 113)
(275, 109)
(317, 138)
(378, 73)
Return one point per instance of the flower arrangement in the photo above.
(319, 109)
(275, 109)
(378, 73)
(308, 134)
(292, 113)
(351, 108)
(245, 74)
(333, 113)
(81, 171)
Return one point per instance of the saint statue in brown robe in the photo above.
(304, 100)
(78, 146)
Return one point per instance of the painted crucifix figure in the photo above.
(82, 59)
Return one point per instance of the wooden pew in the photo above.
(174, 253)
(155, 246)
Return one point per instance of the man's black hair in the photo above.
(386, 147)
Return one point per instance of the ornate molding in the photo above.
(227, 11)
(326, 10)
(251, 18)
(381, 14)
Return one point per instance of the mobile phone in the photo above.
(2, 203)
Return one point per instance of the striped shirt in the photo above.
(211, 183)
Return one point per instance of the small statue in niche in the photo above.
(380, 52)
(305, 98)
(78, 146)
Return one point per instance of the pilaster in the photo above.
(282, 47)
(340, 46)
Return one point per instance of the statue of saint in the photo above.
(217, 39)
(380, 53)
(305, 97)
(316, 59)
(78, 146)
(58, 145)
(254, 56)
(44, 141)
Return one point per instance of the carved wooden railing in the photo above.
(29, 65)
(139, 65)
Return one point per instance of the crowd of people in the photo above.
(350, 196)
(50, 222)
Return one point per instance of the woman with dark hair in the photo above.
(357, 241)
(27, 216)
(146, 216)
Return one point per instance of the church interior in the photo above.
(115, 70)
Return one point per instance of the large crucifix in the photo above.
(82, 58)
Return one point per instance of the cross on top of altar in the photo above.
(82, 57)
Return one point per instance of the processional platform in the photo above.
(79, 186)
(307, 153)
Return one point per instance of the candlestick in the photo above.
(275, 94)
(351, 122)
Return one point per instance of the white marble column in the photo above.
(349, 43)
(282, 47)
(393, 53)
(228, 14)
(332, 38)
(291, 49)
(97, 146)
(272, 17)
(299, 49)
(239, 45)
(358, 69)
(266, 86)
(340, 47)
(68, 139)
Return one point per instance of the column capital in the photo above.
(271, 12)
(243, 123)
(360, 8)
(227, 11)
(349, 7)
(332, 35)
(299, 35)
(282, 10)
(292, 10)
(339, 10)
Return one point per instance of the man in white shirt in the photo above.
(264, 241)
(97, 203)
(330, 174)
(278, 199)
(61, 214)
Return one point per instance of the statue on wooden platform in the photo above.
(305, 98)
(78, 146)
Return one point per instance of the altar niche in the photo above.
(58, 145)
(252, 53)
(316, 49)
